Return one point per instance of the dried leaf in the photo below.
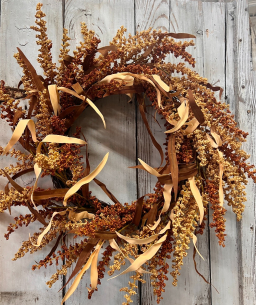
(127, 78)
(144, 118)
(183, 118)
(78, 216)
(178, 35)
(216, 88)
(137, 241)
(195, 108)
(155, 225)
(150, 217)
(105, 235)
(18, 114)
(82, 258)
(55, 98)
(161, 83)
(42, 195)
(36, 79)
(13, 183)
(94, 269)
(47, 229)
(104, 50)
(38, 216)
(79, 276)
(55, 246)
(32, 105)
(85, 180)
(167, 197)
(52, 138)
(144, 257)
(88, 60)
(213, 144)
(197, 196)
(138, 211)
(105, 190)
(192, 125)
(83, 99)
(173, 164)
(78, 88)
(19, 131)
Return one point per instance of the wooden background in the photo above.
(222, 52)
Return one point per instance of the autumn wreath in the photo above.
(203, 163)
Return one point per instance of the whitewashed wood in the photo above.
(223, 275)
(105, 18)
(245, 115)
(181, 21)
(229, 93)
(149, 14)
(197, 291)
(19, 284)
(191, 288)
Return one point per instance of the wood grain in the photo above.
(119, 138)
(245, 115)
(223, 275)
(19, 284)
(191, 288)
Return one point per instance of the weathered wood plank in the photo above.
(105, 18)
(245, 115)
(223, 276)
(197, 291)
(153, 14)
(181, 21)
(191, 288)
(19, 284)
(229, 92)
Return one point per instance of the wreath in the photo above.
(203, 163)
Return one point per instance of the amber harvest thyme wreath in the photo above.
(203, 164)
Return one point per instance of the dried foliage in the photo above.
(203, 163)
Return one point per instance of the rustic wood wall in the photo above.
(222, 52)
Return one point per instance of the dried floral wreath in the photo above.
(204, 163)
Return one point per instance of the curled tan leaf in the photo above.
(85, 180)
(81, 97)
(147, 255)
(19, 131)
(183, 112)
(78, 216)
(197, 196)
(47, 229)
(80, 274)
(55, 98)
(137, 241)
